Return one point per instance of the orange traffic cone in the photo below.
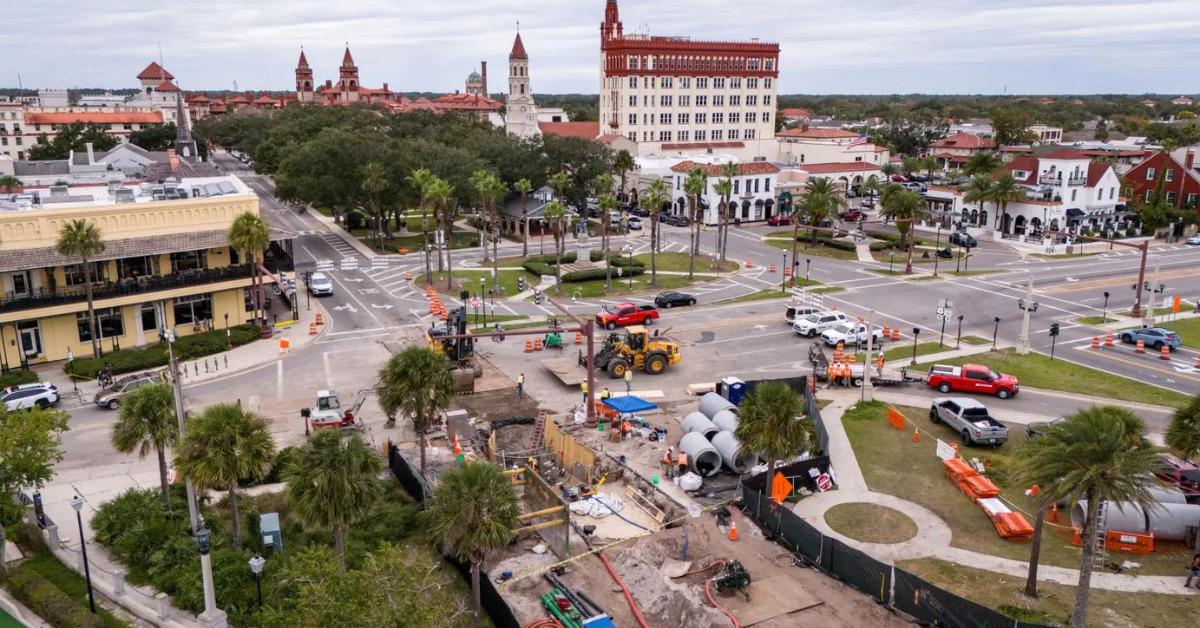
(537, 344)
(1141, 346)
(887, 332)
(320, 319)
(1166, 353)
(1108, 339)
(312, 329)
(1053, 516)
(578, 338)
(916, 435)
(1095, 342)
(732, 530)
(408, 275)
(457, 447)
(749, 263)
(895, 333)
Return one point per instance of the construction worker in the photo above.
(668, 463)
(583, 388)
(682, 462)
(614, 430)
(628, 380)
(626, 429)
(521, 386)
(531, 462)
(605, 394)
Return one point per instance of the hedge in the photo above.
(829, 242)
(49, 602)
(601, 273)
(186, 348)
(17, 377)
(893, 238)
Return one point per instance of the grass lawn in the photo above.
(817, 250)
(882, 256)
(1094, 320)
(475, 319)
(891, 463)
(469, 280)
(1188, 330)
(970, 273)
(871, 523)
(903, 275)
(413, 241)
(975, 340)
(903, 351)
(678, 262)
(1056, 601)
(68, 582)
(1166, 311)
(1039, 371)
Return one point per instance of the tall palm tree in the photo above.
(83, 240)
(374, 182)
(871, 186)
(480, 181)
(496, 190)
(928, 164)
(332, 484)
(822, 198)
(555, 213)
(904, 207)
(441, 197)
(1005, 189)
(250, 235)
(770, 424)
(607, 203)
(145, 421)
(979, 190)
(982, 163)
(473, 513)
(523, 187)
(888, 170)
(694, 186)
(910, 165)
(1100, 454)
(728, 172)
(622, 164)
(655, 197)
(602, 186)
(1183, 434)
(416, 382)
(723, 189)
(420, 180)
(222, 446)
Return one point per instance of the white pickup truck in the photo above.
(851, 332)
(814, 324)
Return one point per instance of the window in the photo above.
(701, 100)
(769, 65)
(646, 102)
(751, 83)
(718, 118)
(1191, 198)
(193, 309)
(3, 141)
(248, 299)
(664, 118)
(767, 83)
(633, 118)
(137, 266)
(767, 100)
(767, 184)
(718, 83)
(719, 100)
(716, 135)
(735, 101)
(109, 324)
(749, 134)
(666, 82)
(1169, 175)
(647, 119)
(685, 82)
(751, 117)
(74, 273)
(735, 117)
(702, 118)
(1150, 172)
(701, 135)
(664, 136)
(685, 100)
(633, 63)
(735, 185)
(683, 118)
(633, 100)
(1172, 198)
(633, 82)
(1074, 193)
(756, 186)
(664, 101)
(1148, 194)
(1112, 193)
(702, 82)
(149, 315)
(188, 260)
(733, 134)
(19, 140)
(735, 82)
(752, 101)
(683, 136)
(128, 127)
(632, 135)
(752, 64)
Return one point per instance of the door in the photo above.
(20, 282)
(31, 338)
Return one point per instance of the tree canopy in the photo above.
(74, 137)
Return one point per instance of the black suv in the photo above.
(963, 239)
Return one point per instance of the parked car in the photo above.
(111, 396)
(963, 239)
(1183, 474)
(851, 193)
(798, 311)
(640, 211)
(674, 299)
(621, 314)
(853, 215)
(318, 284)
(1033, 430)
(1153, 337)
(814, 324)
(29, 396)
(634, 223)
(677, 221)
(851, 333)
(868, 203)
(1193, 241)
(777, 220)
(970, 419)
(972, 378)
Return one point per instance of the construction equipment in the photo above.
(459, 351)
(572, 608)
(732, 577)
(553, 340)
(328, 412)
(635, 349)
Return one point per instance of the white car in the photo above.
(319, 284)
(1194, 240)
(814, 324)
(849, 333)
(28, 396)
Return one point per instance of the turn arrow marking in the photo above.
(346, 307)
(382, 307)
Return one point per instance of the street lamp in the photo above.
(1027, 305)
(629, 251)
(482, 283)
(1104, 315)
(807, 264)
(937, 245)
(77, 504)
(891, 259)
(916, 332)
(958, 341)
(256, 565)
(995, 333)
(203, 536)
(783, 274)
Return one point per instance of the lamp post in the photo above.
(783, 274)
(228, 338)
(891, 259)
(1027, 306)
(629, 252)
(70, 368)
(958, 341)
(937, 245)
(482, 283)
(212, 616)
(958, 262)
(916, 333)
(995, 333)
(256, 565)
(1104, 314)
(177, 388)
(807, 265)
(77, 504)
(868, 391)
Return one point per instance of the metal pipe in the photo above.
(702, 456)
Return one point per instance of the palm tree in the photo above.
(904, 207)
(480, 181)
(1100, 454)
(607, 203)
(82, 239)
(555, 212)
(602, 186)
(622, 164)
(420, 180)
(982, 163)
(146, 421)
(928, 164)
(979, 190)
(1183, 434)
(222, 446)
(723, 189)
(441, 196)
(473, 513)
(374, 182)
(249, 234)
(333, 483)
(871, 186)
(416, 382)
(694, 186)
(655, 196)
(496, 191)
(728, 172)
(8, 183)
(770, 424)
(523, 187)
(1005, 189)
(888, 170)
(822, 197)
(910, 165)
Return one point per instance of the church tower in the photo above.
(185, 145)
(304, 79)
(520, 117)
(611, 28)
(348, 77)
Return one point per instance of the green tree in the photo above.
(622, 163)
(417, 383)
(982, 163)
(607, 204)
(333, 483)
(441, 195)
(1100, 454)
(145, 421)
(888, 170)
(904, 207)
(74, 136)
(979, 190)
(30, 445)
(223, 445)
(156, 137)
(523, 187)
(479, 183)
(1005, 190)
(556, 213)
(1010, 126)
(250, 235)
(81, 239)
(374, 183)
(655, 198)
(420, 180)
(473, 514)
(694, 186)
(9, 183)
(821, 199)
(728, 172)
(1183, 434)
(580, 161)
(723, 189)
(771, 424)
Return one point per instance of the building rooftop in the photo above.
(79, 196)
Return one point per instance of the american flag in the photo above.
(862, 139)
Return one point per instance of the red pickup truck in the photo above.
(621, 314)
(972, 378)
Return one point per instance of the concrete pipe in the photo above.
(712, 403)
(703, 458)
(735, 458)
(725, 421)
(698, 422)
(1167, 521)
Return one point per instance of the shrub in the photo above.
(186, 348)
(538, 268)
(17, 377)
(600, 273)
(29, 538)
(49, 602)
(879, 246)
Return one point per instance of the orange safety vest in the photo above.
(682, 458)
(625, 426)
(666, 457)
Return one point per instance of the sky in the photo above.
(827, 46)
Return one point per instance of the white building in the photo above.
(1045, 134)
(520, 112)
(753, 196)
(801, 146)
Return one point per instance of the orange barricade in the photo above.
(284, 345)
(578, 338)
(1012, 526)
(537, 344)
(312, 329)
(1141, 346)
(1166, 353)
(895, 333)
(895, 418)
(772, 268)
(408, 275)
(320, 319)
(781, 488)
(1095, 342)
(1108, 339)
(887, 332)
(1128, 542)
(749, 263)
(528, 346)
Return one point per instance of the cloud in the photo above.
(827, 46)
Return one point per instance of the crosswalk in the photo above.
(395, 279)
(339, 245)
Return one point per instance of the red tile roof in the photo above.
(264, 100)
(470, 102)
(1095, 172)
(518, 49)
(825, 134)
(166, 86)
(1024, 163)
(795, 112)
(346, 58)
(155, 71)
(303, 63)
(586, 130)
(714, 170)
(1063, 153)
(702, 145)
(848, 166)
(98, 117)
(197, 98)
(964, 140)
(1016, 149)
(953, 158)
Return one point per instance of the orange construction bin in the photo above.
(957, 469)
(977, 487)
(1128, 542)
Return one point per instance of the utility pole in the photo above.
(1026, 304)
(177, 387)
(868, 390)
(1148, 310)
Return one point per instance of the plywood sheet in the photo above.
(773, 597)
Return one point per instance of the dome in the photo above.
(474, 77)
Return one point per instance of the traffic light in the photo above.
(1053, 329)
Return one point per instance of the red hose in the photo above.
(637, 614)
(708, 592)
(715, 563)
(545, 622)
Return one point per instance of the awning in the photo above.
(629, 404)
(1075, 212)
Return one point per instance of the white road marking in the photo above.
(279, 380)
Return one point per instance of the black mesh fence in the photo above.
(418, 488)
(859, 570)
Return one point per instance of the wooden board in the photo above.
(567, 370)
(770, 598)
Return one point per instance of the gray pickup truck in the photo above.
(969, 418)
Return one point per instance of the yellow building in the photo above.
(167, 265)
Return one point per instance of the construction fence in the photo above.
(418, 488)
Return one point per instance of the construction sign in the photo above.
(1176, 303)
(896, 418)
(945, 450)
(781, 488)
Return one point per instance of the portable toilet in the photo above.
(733, 389)
(272, 537)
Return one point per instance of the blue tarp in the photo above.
(629, 405)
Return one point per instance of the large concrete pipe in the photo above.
(1167, 521)
(736, 458)
(712, 403)
(703, 458)
(698, 422)
(726, 421)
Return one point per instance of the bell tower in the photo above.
(304, 79)
(348, 77)
(520, 112)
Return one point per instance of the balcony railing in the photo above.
(1076, 181)
(1049, 179)
(122, 287)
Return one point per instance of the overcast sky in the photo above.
(828, 46)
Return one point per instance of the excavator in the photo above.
(634, 348)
